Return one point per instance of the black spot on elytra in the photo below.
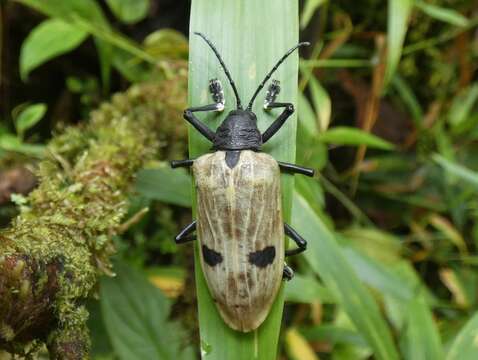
(264, 257)
(211, 257)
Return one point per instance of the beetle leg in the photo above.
(299, 240)
(198, 124)
(293, 168)
(270, 103)
(178, 163)
(184, 235)
(287, 273)
(215, 88)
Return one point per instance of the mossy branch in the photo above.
(54, 251)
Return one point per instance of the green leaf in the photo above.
(136, 316)
(341, 135)
(409, 98)
(398, 14)
(86, 15)
(421, 338)
(129, 11)
(12, 143)
(242, 32)
(106, 55)
(172, 186)
(68, 10)
(443, 14)
(464, 346)
(306, 115)
(303, 289)
(50, 39)
(326, 260)
(310, 7)
(322, 103)
(377, 275)
(462, 106)
(334, 334)
(457, 170)
(28, 117)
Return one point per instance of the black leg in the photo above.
(215, 89)
(179, 163)
(183, 237)
(301, 243)
(270, 103)
(287, 273)
(293, 168)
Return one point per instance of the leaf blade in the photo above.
(460, 171)
(398, 14)
(443, 14)
(246, 46)
(464, 345)
(171, 186)
(342, 135)
(136, 318)
(421, 338)
(29, 116)
(325, 258)
(129, 11)
(51, 38)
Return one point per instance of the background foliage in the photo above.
(387, 112)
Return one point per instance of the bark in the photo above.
(54, 251)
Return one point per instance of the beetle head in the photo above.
(238, 131)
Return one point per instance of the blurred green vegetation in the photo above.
(387, 113)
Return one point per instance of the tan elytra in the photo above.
(238, 214)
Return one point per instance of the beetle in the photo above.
(239, 216)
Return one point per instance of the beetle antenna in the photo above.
(276, 66)
(226, 71)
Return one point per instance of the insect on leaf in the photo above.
(251, 36)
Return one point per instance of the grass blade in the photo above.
(251, 36)
(448, 15)
(421, 338)
(457, 170)
(342, 135)
(464, 346)
(398, 13)
(327, 260)
(322, 103)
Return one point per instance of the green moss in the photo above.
(68, 221)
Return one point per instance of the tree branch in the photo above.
(54, 251)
